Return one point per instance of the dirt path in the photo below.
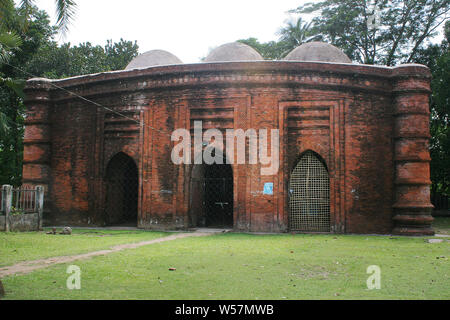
(30, 266)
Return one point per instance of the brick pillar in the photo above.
(412, 208)
(37, 141)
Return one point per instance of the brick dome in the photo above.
(153, 58)
(318, 51)
(234, 51)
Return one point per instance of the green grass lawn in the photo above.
(240, 266)
(16, 247)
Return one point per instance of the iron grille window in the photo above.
(309, 190)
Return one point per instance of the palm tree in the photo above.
(295, 33)
(65, 11)
(10, 41)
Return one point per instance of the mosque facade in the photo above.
(325, 145)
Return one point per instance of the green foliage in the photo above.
(9, 41)
(65, 12)
(27, 50)
(55, 62)
(295, 33)
(440, 127)
(395, 37)
(11, 140)
(398, 35)
(16, 211)
(4, 124)
(292, 34)
(22, 31)
(120, 54)
(437, 58)
(272, 50)
(12, 110)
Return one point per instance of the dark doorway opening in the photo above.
(212, 196)
(218, 195)
(122, 185)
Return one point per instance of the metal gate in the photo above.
(216, 209)
(309, 195)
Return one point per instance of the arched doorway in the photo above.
(211, 198)
(122, 186)
(309, 195)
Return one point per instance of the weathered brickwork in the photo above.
(369, 125)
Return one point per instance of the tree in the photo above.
(13, 23)
(65, 11)
(15, 20)
(293, 34)
(272, 50)
(56, 62)
(395, 36)
(36, 54)
(437, 58)
(12, 110)
(119, 54)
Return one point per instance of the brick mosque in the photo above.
(353, 144)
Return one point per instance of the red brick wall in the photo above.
(353, 116)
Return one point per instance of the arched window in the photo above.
(309, 195)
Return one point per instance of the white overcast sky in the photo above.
(186, 28)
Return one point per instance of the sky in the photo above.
(187, 28)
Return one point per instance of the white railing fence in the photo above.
(21, 200)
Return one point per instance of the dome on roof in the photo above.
(234, 51)
(317, 51)
(153, 58)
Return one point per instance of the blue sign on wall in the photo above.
(268, 188)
